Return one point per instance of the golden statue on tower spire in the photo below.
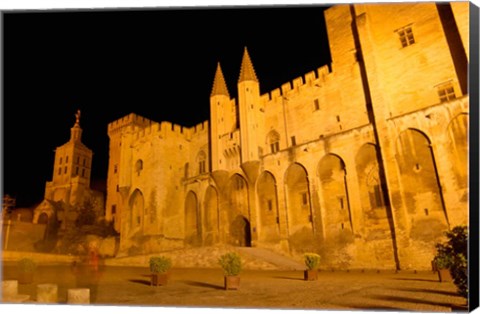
(77, 116)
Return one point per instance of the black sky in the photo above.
(158, 63)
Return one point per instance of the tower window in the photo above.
(138, 166)
(201, 160)
(273, 140)
(275, 147)
(446, 92)
(304, 198)
(84, 161)
(83, 173)
(406, 36)
(201, 166)
(316, 105)
(66, 159)
(115, 169)
(341, 201)
(270, 204)
(65, 170)
(376, 197)
(76, 171)
(60, 160)
(294, 141)
(78, 160)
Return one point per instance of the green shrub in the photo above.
(312, 260)
(443, 261)
(452, 254)
(231, 264)
(27, 265)
(160, 264)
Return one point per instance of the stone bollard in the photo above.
(9, 288)
(10, 292)
(47, 293)
(78, 296)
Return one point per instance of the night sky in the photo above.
(158, 63)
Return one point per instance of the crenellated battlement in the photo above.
(128, 120)
(314, 78)
(166, 129)
(149, 127)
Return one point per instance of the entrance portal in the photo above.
(240, 234)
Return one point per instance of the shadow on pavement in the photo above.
(203, 285)
(410, 300)
(416, 279)
(140, 281)
(377, 308)
(448, 293)
(289, 278)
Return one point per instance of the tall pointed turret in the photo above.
(219, 84)
(250, 110)
(76, 130)
(247, 72)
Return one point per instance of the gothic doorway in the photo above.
(43, 219)
(240, 234)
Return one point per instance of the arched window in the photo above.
(273, 140)
(138, 166)
(202, 162)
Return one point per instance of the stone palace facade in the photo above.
(364, 160)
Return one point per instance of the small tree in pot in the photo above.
(453, 256)
(232, 265)
(159, 267)
(312, 261)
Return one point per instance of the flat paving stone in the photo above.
(269, 289)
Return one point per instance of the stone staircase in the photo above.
(280, 261)
(207, 257)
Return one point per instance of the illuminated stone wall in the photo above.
(363, 161)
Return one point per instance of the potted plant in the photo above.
(312, 261)
(442, 265)
(231, 264)
(26, 270)
(159, 268)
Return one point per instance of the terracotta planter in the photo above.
(232, 282)
(160, 279)
(310, 274)
(444, 275)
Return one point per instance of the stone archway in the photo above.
(268, 207)
(240, 234)
(192, 231)
(43, 219)
(137, 206)
(211, 220)
(457, 131)
(298, 198)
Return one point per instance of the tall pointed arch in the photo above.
(334, 191)
(266, 188)
(192, 230)
(420, 187)
(298, 199)
(211, 220)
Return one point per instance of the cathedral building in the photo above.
(364, 160)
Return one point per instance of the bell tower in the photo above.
(72, 169)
